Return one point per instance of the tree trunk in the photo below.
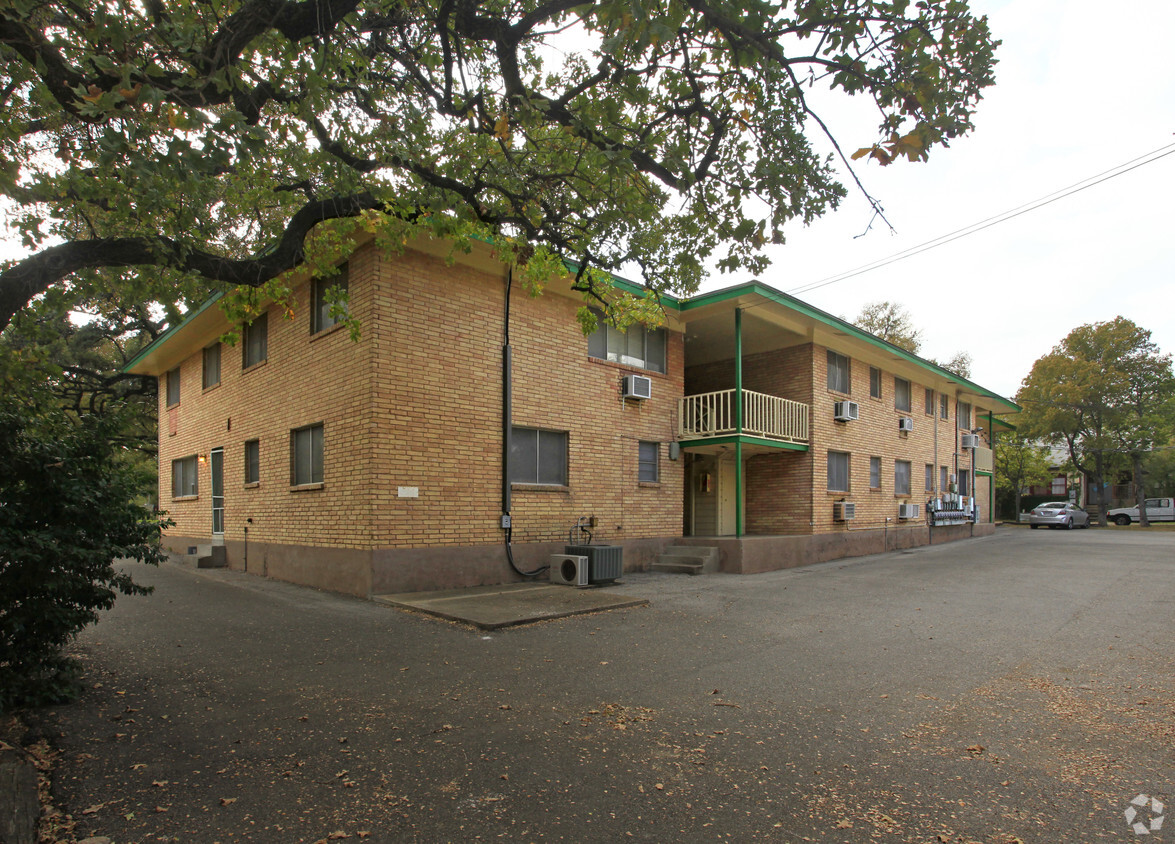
(1143, 521)
(1099, 461)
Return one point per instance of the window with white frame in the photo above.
(538, 457)
(839, 373)
(901, 477)
(875, 473)
(255, 347)
(637, 346)
(901, 394)
(306, 459)
(964, 416)
(874, 382)
(838, 471)
(324, 292)
(183, 477)
(929, 402)
(648, 462)
(944, 407)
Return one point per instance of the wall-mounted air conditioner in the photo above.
(907, 511)
(846, 411)
(971, 441)
(569, 570)
(636, 387)
(905, 423)
(843, 511)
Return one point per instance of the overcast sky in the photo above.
(1081, 87)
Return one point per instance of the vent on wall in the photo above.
(843, 511)
(845, 411)
(636, 387)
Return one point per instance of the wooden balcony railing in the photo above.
(770, 417)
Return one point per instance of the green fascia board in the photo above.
(771, 294)
(984, 474)
(745, 440)
(628, 286)
(166, 335)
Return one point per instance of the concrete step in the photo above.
(688, 559)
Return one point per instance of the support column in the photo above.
(738, 422)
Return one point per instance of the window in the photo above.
(930, 477)
(964, 416)
(322, 291)
(874, 382)
(183, 477)
(875, 473)
(212, 366)
(638, 346)
(929, 402)
(964, 482)
(942, 479)
(838, 471)
(901, 477)
(944, 407)
(173, 387)
(901, 394)
(306, 455)
(256, 346)
(838, 373)
(538, 457)
(253, 462)
(1060, 486)
(648, 469)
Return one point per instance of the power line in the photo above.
(1077, 187)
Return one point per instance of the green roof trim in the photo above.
(166, 335)
(770, 293)
(745, 440)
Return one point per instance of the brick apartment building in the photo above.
(378, 466)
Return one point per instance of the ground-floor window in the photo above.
(183, 477)
(538, 457)
(306, 455)
(964, 482)
(901, 477)
(875, 473)
(838, 471)
(253, 462)
(930, 477)
(648, 468)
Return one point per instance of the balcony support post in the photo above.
(738, 422)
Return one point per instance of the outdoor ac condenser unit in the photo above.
(907, 511)
(843, 511)
(637, 387)
(905, 423)
(970, 441)
(845, 411)
(569, 570)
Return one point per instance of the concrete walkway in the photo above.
(1014, 688)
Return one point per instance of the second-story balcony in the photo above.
(770, 417)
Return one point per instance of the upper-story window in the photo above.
(929, 402)
(839, 373)
(964, 415)
(256, 345)
(874, 382)
(901, 394)
(638, 346)
(211, 366)
(323, 291)
(173, 387)
(944, 407)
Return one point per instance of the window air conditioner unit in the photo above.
(569, 570)
(971, 441)
(637, 387)
(905, 423)
(907, 511)
(843, 511)
(846, 411)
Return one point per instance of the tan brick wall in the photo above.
(305, 380)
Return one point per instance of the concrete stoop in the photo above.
(688, 559)
(204, 557)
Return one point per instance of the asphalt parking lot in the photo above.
(1014, 688)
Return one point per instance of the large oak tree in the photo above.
(149, 146)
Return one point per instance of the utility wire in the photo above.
(1077, 187)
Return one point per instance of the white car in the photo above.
(1157, 510)
(1058, 514)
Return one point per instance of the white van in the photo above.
(1157, 510)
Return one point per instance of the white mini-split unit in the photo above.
(907, 511)
(636, 387)
(971, 441)
(905, 423)
(843, 511)
(846, 411)
(569, 570)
